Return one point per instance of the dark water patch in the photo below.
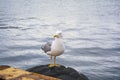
(31, 18)
(114, 70)
(24, 29)
(3, 50)
(116, 38)
(71, 29)
(2, 24)
(26, 18)
(94, 77)
(10, 19)
(10, 27)
(114, 49)
(49, 24)
(110, 60)
(1, 19)
(2, 14)
(7, 20)
(31, 25)
(118, 23)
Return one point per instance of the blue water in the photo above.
(91, 32)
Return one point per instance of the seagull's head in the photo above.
(58, 34)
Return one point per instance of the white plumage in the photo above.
(57, 47)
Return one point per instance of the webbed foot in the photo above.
(54, 65)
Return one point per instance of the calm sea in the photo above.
(91, 32)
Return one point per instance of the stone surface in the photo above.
(62, 72)
(10, 73)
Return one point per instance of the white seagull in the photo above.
(55, 48)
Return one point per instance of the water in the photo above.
(91, 31)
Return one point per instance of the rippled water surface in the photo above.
(91, 30)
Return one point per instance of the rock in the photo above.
(10, 73)
(2, 67)
(62, 72)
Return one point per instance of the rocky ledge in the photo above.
(62, 72)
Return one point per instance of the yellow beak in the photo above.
(56, 36)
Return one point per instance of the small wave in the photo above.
(10, 27)
(28, 18)
(2, 24)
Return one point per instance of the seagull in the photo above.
(55, 48)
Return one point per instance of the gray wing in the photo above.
(46, 47)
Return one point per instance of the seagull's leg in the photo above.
(57, 65)
(50, 59)
(54, 60)
(51, 65)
